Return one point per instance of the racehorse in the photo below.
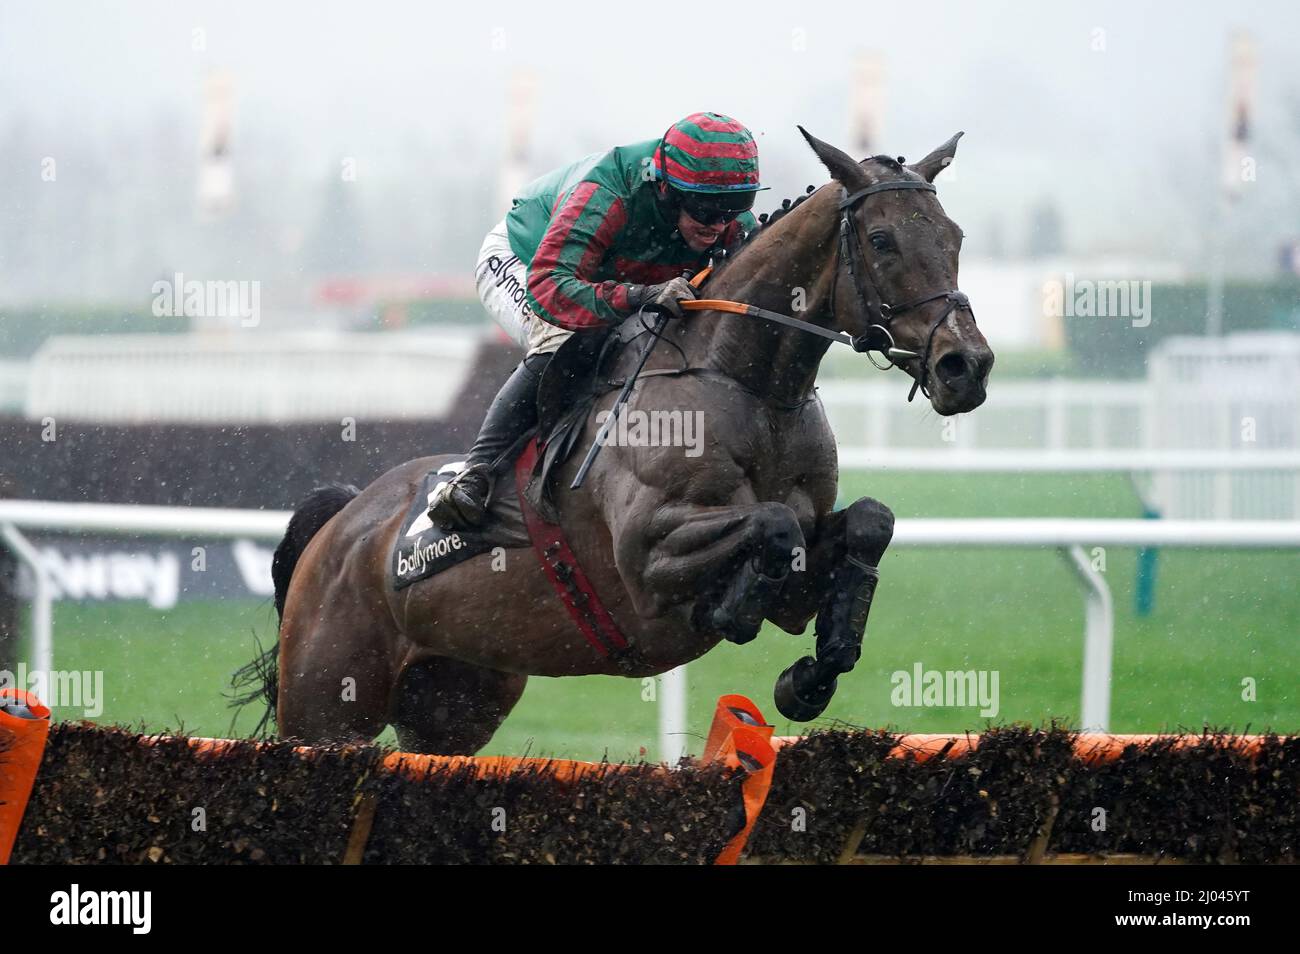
(683, 551)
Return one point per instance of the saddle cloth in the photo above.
(423, 550)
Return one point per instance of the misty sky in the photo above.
(1123, 140)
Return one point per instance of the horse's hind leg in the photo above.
(334, 683)
(442, 706)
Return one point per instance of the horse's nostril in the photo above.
(952, 367)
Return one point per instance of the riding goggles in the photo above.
(715, 208)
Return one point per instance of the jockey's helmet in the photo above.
(709, 164)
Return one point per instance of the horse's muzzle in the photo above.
(963, 375)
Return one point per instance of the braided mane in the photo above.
(768, 219)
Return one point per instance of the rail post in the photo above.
(1098, 642)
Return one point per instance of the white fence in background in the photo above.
(1216, 425)
(1239, 394)
(1056, 414)
(13, 386)
(1234, 395)
(242, 377)
(1198, 396)
(1070, 461)
(1067, 536)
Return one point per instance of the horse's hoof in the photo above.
(797, 695)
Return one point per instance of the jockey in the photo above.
(588, 245)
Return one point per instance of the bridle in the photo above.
(880, 315)
(878, 336)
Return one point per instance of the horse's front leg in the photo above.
(733, 561)
(838, 584)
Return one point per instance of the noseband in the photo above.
(878, 336)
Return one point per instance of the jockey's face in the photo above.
(698, 237)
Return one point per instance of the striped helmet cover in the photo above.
(708, 152)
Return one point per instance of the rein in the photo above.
(740, 308)
(878, 336)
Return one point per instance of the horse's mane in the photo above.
(768, 219)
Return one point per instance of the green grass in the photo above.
(1220, 617)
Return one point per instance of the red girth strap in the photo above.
(565, 573)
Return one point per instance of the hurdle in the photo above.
(1007, 795)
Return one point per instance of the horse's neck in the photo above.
(788, 270)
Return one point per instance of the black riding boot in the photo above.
(463, 500)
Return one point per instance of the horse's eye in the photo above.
(881, 241)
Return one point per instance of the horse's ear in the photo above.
(937, 161)
(842, 168)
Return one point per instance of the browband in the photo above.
(890, 186)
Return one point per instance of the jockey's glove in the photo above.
(666, 295)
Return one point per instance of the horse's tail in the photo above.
(312, 514)
(259, 679)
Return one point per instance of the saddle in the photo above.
(577, 375)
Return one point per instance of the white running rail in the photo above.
(249, 377)
(1068, 536)
(1067, 461)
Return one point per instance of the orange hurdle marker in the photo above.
(24, 727)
